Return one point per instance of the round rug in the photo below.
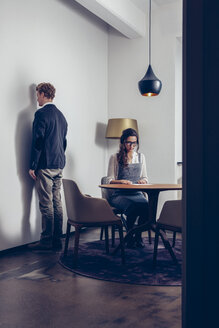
(93, 262)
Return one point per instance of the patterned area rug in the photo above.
(94, 263)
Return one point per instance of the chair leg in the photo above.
(101, 233)
(149, 236)
(106, 240)
(76, 246)
(174, 239)
(113, 235)
(124, 222)
(122, 244)
(155, 247)
(168, 246)
(67, 238)
(129, 235)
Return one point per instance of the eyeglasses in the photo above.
(130, 143)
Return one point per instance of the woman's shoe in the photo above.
(139, 244)
(130, 243)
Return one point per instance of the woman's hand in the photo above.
(125, 182)
(121, 181)
(142, 181)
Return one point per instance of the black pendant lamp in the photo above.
(149, 85)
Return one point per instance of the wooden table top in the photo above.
(149, 186)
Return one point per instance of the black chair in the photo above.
(170, 219)
(86, 211)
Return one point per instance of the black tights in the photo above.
(132, 217)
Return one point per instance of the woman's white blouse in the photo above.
(113, 167)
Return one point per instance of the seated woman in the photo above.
(128, 166)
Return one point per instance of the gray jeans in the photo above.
(48, 185)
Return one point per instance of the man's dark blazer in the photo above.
(48, 139)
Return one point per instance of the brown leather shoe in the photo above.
(39, 246)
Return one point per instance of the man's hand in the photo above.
(32, 174)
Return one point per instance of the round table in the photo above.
(152, 190)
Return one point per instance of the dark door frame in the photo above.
(200, 163)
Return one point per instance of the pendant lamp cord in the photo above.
(149, 18)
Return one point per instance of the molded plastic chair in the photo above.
(86, 211)
(170, 219)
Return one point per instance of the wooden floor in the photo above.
(36, 292)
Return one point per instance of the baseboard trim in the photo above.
(23, 247)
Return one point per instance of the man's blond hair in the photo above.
(47, 88)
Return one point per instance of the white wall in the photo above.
(55, 41)
(128, 61)
(60, 42)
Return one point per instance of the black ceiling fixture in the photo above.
(149, 85)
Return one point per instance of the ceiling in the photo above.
(143, 4)
(126, 16)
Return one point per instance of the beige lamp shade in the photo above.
(117, 125)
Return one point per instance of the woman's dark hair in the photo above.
(122, 154)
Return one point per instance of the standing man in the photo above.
(47, 161)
